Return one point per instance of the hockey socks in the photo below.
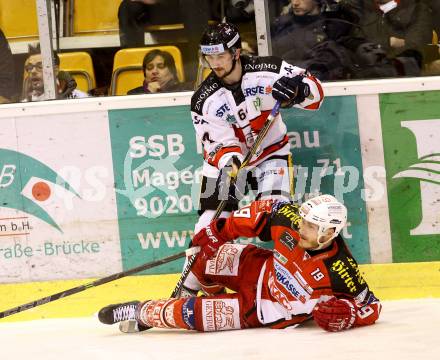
(167, 313)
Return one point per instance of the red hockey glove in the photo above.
(335, 314)
(209, 239)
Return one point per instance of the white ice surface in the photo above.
(407, 329)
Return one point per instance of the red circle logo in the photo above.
(41, 191)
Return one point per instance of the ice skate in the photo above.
(114, 313)
(124, 314)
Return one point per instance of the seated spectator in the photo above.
(322, 36)
(309, 37)
(134, 15)
(160, 74)
(33, 87)
(299, 28)
(7, 77)
(396, 25)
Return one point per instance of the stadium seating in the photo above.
(434, 37)
(127, 68)
(18, 19)
(202, 73)
(80, 66)
(165, 27)
(206, 72)
(93, 17)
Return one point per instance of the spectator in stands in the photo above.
(299, 28)
(135, 15)
(312, 38)
(160, 74)
(398, 26)
(323, 37)
(7, 72)
(33, 85)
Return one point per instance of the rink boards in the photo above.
(91, 187)
(388, 281)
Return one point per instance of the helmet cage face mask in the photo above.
(326, 212)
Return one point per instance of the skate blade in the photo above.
(131, 326)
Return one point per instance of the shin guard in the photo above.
(167, 313)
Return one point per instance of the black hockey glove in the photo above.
(290, 91)
(231, 184)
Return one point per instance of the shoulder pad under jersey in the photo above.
(206, 89)
(285, 214)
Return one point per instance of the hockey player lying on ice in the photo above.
(309, 273)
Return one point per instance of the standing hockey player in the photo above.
(309, 273)
(228, 111)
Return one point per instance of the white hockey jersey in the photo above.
(227, 119)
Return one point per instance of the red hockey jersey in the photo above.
(294, 280)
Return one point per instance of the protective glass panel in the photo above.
(351, 39)
(18, 28)
(120, 47)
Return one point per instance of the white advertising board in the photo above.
(58, 215)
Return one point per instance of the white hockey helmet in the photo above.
(326, 212)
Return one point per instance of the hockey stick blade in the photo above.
(95, 283)
(261, 135)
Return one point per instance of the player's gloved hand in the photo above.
(290, 91)
(229, 189)
(335, 314)
(210, 239)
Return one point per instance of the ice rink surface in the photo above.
(407, 329)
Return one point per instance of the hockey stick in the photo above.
(261, 135)
(129, 326)
(95, 283)
(155, 263)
